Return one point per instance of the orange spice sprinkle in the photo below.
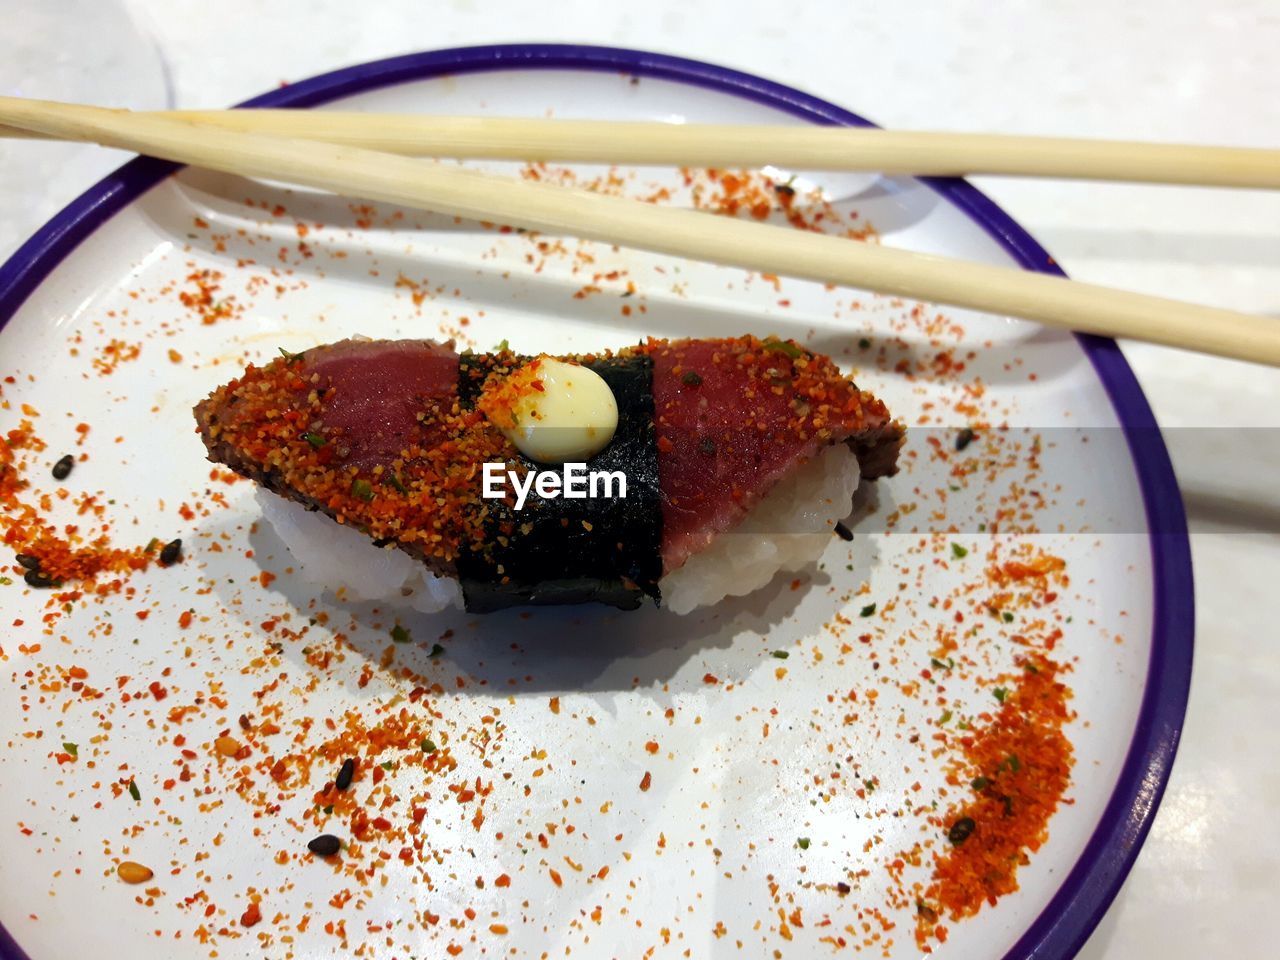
(1017, 768)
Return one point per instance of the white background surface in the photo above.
(1195, 71)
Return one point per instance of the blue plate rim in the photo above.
(1093, 882)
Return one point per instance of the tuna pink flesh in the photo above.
(704, 495)
(382, 387)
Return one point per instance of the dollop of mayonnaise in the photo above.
(561, 412)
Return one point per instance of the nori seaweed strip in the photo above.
(560, 551)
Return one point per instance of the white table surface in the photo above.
(1197, 70)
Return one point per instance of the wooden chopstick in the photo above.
(445, 188)
(802, 147)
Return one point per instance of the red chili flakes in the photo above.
(646, 781)
(1016, 768)
(202, 300)
(250, 916)
(113, 354)
(65, 553)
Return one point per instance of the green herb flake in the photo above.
(1001, 694)
(72, 749)
(399, 634)
(290, 357)
(135, 792)
(397, 484)
(314, 439)
(868, 610)
(945, 718)
(427, 746)
(780, 654)
(502, 347)
(803, 843)
(691, 378)
(387, 765)
(1007, 617)
(864, 343)
(941, 665)
(362, 490)
(329, 809)
(980, 783)
(782, 346)
(5, 581)
(436, 650)
(958, 551)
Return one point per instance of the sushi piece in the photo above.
(704, 467)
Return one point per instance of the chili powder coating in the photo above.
(390, 437)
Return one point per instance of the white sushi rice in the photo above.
(788, 530)
(346, 561)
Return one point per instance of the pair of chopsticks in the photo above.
(332, 152)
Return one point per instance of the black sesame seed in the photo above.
(62, 469)
(707, 446)
(28, 561)
(964, 438)
(843, 887)
(325, 845)
(843, 532)
(171, 553)
(692, 378)
(345, 774)
(36, 578)
(960, 830)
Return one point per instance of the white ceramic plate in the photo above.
(709, 861)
